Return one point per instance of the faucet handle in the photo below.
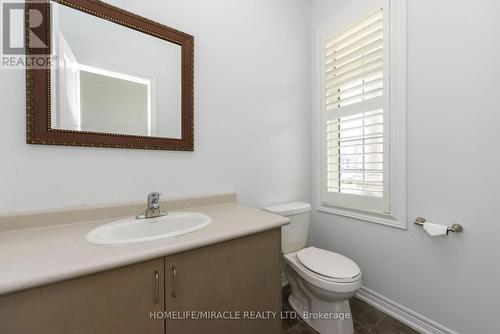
(153, 209)
(154, 199)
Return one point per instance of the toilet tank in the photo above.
(293, 236)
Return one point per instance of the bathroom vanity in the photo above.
(230, 266)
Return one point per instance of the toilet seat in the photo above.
(328, 265)
(322, 282)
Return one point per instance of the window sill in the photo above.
(382, 219)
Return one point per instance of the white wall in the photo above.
(453, 163)
(252, 124)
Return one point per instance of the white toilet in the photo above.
(321, 281)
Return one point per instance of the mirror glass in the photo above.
(108, 78)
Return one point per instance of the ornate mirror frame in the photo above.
(38, 82)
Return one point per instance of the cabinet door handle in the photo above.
(157, 287)
(174, 276)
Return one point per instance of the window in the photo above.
(358, 104)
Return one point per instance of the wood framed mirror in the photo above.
(110, 78)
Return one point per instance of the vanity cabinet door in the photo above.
(241, 275)
(117, 301)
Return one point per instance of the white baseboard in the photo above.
(414, 320)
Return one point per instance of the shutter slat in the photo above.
(375, 45)
(335, 94)
(371, 105)
(355, 74)
(360, 183)
(365, 95)
(376, 26)
(356, 189)
(350, 145)
(346, 139)
(355, 27)
(354, 154)
(365, 59)
(354, 170)
(375, 36)
(353, 128)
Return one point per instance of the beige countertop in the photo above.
(38, 256)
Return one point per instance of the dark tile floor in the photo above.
(367, 320)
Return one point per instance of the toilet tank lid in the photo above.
(289, 209)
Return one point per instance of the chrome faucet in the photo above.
(153, 209)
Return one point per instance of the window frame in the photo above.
(392, 212)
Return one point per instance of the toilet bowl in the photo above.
(321, 296)
(321, 281)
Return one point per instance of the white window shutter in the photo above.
(355, 129)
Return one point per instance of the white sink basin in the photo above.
(133, 230)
